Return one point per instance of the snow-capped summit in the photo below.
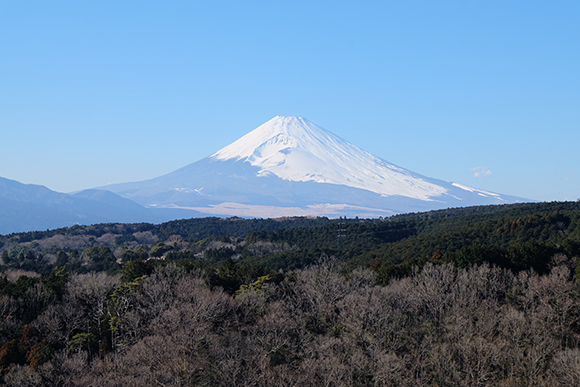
(289, 166)
(295, 149)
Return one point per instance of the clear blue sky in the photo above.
(483, 93)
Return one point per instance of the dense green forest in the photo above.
(471, 296)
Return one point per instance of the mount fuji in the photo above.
(290, 167)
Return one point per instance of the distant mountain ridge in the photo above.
(31, 207)
(289, 167)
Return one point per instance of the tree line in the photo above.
(516, 236)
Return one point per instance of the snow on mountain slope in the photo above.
(295, 149)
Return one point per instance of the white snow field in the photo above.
(295, 149)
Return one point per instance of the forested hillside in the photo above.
(514, 236)
(469, 296)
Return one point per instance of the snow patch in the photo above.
(478, 191)
(187, 190)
